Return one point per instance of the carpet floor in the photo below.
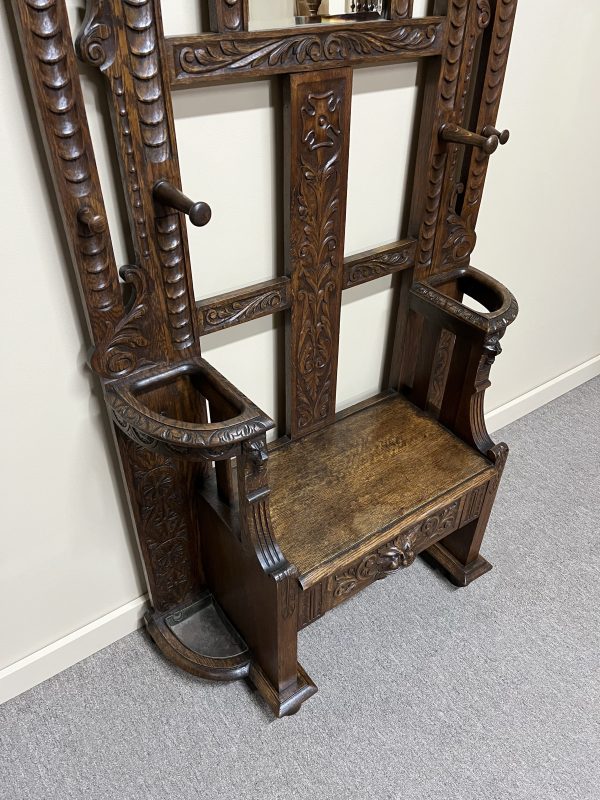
(426, 692)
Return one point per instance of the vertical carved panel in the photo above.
(228, 16)
(124, 39)
(50, 61)
(160, 498)
(440, 233)
(400, 9)
(439, 372)
(318, 128)
(466, 21)
(494, 68)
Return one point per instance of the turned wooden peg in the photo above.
(503, 136)
(454, 133)
(172, 197)
(313, 8)
(94, 223)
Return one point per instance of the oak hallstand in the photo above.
(245, 542)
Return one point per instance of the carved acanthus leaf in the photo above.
(376, 265)
(398, 553)
(224, 55)
(317, 206)
(123, 348)
(165, 528)
(223, 316)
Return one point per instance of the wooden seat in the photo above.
(343, 490)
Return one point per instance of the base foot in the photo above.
(288, 702)
(457, 573)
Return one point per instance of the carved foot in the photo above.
(288, 702)
(457, 573)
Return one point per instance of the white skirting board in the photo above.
(538, 397)
(84, 642)
(43, 664)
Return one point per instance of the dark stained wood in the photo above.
(204, 59)
(269, 297)
(491, 72)
(369, 472)
(318, 139)
(400, 9)
(378, 262)
(227, 16)
(56, 91)
(171, 197)
(454, 133)
(268, 539)
(242, 305)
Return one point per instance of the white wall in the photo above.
(67, 556)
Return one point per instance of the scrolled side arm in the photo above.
(133, 409)
(501, 305)
(458, 371)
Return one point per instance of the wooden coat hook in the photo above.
(168, 195)
(503, 136)
(488, 143)
(93, 223)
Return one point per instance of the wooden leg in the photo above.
(458, 554)
(263, 607)
(254, 584)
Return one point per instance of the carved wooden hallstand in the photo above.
(244, 543)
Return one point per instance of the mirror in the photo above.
(267, 14)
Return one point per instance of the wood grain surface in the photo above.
(339, 487)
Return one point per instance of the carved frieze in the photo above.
(378, 263)
(254, 55)
(398, 553)
(222, 312)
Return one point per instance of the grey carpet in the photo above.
(426, 692)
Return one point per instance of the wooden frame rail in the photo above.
(262, 299)
(202, 59)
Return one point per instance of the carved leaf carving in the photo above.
(396, 554)
(317, 205)
(225, 55)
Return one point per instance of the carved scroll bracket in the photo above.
(127, 48)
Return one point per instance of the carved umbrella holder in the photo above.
(245, 543)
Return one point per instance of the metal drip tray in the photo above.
(203, 628)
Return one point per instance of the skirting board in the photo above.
(38, 667)
(58, 656)
(538, 397)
